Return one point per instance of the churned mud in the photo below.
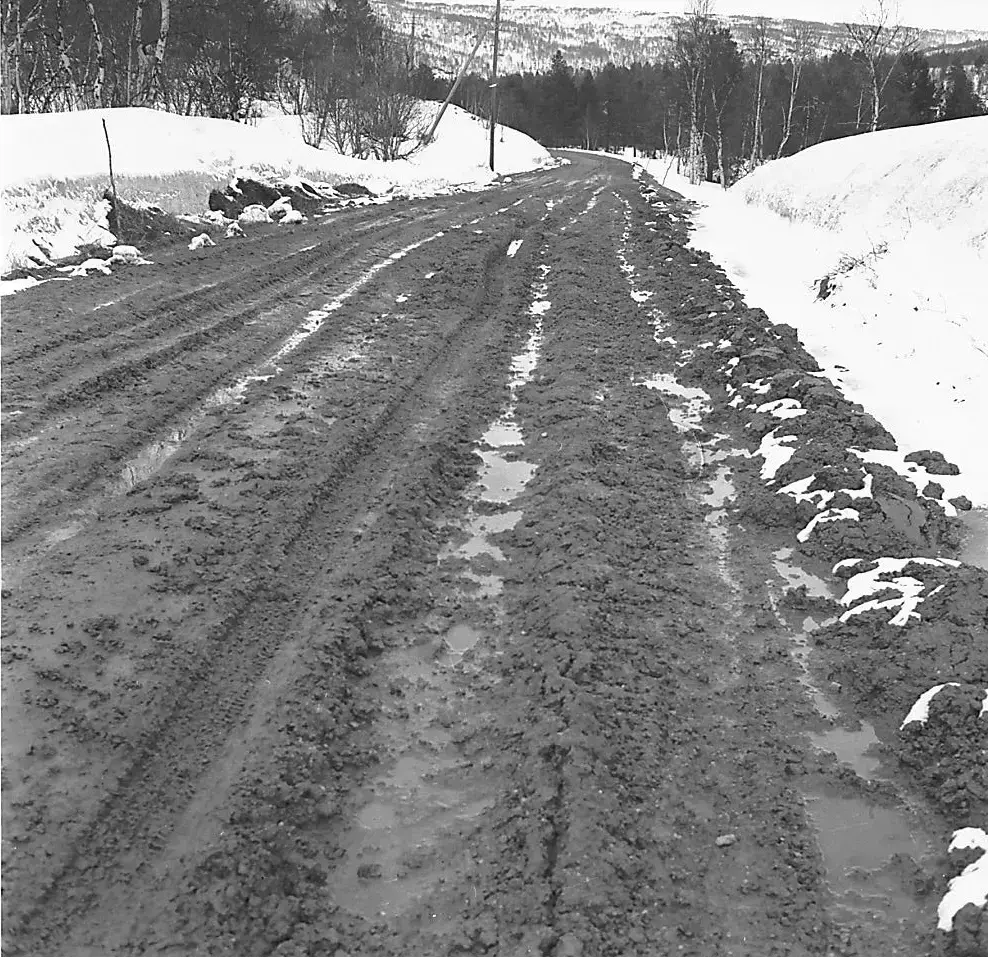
(458, 577)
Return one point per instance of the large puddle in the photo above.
(861, 843)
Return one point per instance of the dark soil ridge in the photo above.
(882, 669)
(153, 229)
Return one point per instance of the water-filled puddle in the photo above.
(503, 433)
(688, 415)
(393, 855)
(721, 492)
(852, 748)
(974, 542)
(795, 576)
(502, 480)
(858, 841)
(800, 651)
(479, 528)
(461, 638)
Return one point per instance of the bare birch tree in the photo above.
(802, 50)
(17, 21)
(760, 49)
(880, 43)
(692, 54)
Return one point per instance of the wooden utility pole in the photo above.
(459, 76)
(497, 32)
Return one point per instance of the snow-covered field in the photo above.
(54, 167)
(899, 222)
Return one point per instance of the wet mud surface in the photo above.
(410, 582)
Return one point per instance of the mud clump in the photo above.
(242, 193)
(934, 462)
(146, 226)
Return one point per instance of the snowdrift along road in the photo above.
(51, 193)
(891, 226)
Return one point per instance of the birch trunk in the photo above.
(99, 85)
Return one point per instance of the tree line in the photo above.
(351, 82)
(724, 110)
(355, 84)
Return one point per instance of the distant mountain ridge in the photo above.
(588, 37)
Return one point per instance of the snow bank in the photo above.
(883, 185)
(55, 167)
(898, 220)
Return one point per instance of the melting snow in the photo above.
(783, 408)
(971, 885)
(830, 515)
(871, 582)
(920, 478)
(920, 711)
(777, 451)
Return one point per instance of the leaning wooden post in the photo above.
(449, 96)
(113, 185)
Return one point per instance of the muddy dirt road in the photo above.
(408, 583)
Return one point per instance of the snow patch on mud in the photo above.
(971, 886)
(884, 577)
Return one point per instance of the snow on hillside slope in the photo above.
(885, 184)
(54, 167)
(897, 220)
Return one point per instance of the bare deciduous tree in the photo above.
(802, 49)
(880, 43)
(760, 49)
(692, 54)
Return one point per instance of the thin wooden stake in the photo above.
(113, 185)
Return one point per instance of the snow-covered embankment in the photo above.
(875, 249)
(54, 167)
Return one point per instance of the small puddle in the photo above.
(392, 856)
(858, 841)
(503, 480)
(795, 576)
(65, 532)
(851, 748)
(461, 638)
(974, 542)
(479, 528)
(721, 492)
(801, 650)
(689, 413)
(503, 433)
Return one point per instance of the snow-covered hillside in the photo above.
(874, 248)
(589, 34)
(54, 167)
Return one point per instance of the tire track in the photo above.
(190, 729)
